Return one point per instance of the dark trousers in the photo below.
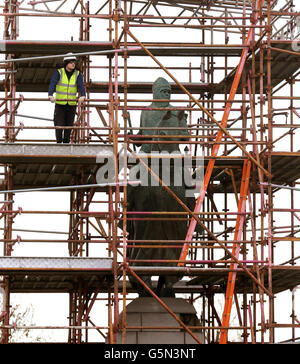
(64, 116)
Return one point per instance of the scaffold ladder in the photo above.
(235, 250)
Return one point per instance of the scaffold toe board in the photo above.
(81, 264)
(27, 48)
(42, 47)
(282, 54)
(285, 170)
(84, 153)
(54, 274)
(216, 279)
(48, 165)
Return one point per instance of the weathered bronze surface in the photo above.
(153, 197)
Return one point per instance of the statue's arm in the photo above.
(183, 124)
(140, 132)
(143, 124)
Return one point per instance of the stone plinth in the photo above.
(154, 325)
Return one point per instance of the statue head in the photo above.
(161, 90)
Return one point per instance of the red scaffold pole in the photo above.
(235, 250)
(219, 137)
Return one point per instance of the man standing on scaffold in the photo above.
(65, 83)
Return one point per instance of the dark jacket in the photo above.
(55, 79)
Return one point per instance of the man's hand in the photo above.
(51, 98)
(81, 99)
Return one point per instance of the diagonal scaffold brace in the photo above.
(220, 135)
(222, 126)
(160, 301)
(223, 131)
(194, 215)
(235, 250)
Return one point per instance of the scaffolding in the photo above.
(233, 67)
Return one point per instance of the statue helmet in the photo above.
(160, 83)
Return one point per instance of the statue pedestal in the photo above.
(149, 313)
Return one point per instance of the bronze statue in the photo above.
(153, 197)
(151, 118)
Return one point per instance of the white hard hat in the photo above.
(69, 57)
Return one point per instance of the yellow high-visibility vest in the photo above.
(66, 89)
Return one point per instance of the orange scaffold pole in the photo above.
(235, 250)
(219, 137)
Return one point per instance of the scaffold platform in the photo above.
(54, 274)
(53, 165)
(47, 165)
(62, 275)
(35, 75)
